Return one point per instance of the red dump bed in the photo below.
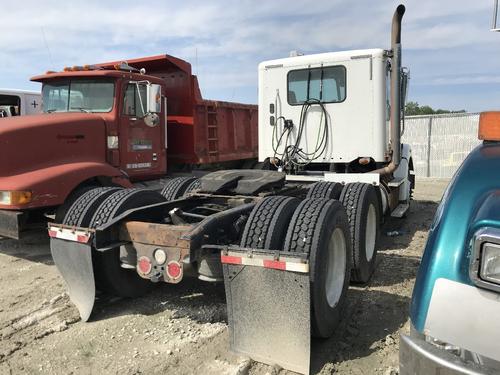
(200, 131)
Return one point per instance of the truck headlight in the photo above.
(10, 198)
(490, 263)
(484, 268)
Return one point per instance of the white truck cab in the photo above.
(353, 88)
(19, 102)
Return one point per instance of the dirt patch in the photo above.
(182, 329)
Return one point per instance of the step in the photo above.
(396, 182)
(400, 210)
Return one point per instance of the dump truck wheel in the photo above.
(319, 227)
(176, 187)
(63, 209)
(324, 189)
(81, 211)
(194, 185)
(267, 224)
(363, 210)
(111, 277)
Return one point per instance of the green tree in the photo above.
(414, 109)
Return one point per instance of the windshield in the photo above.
(80, 95)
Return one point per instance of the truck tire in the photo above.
(324, 189)
(176, 187)
(111, 277)
(267, 224)
(319, 227)
(63, 209)
(363, 210)
(81, 211)
(194, 185)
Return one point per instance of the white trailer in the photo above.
(19, 102)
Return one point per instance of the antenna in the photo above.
(196, 59)
(47, 46)
(494, 26)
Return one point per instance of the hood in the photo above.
(38, 141)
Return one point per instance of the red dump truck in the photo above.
(114, 124)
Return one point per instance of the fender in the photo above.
(50, 186)
(471, 201)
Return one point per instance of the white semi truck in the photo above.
(286, 239)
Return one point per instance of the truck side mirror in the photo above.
(153, 98)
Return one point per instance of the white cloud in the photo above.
(232, 37)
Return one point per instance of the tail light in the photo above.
(144, 265)
(174, 269)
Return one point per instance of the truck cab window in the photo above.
(79, 95)
(325, 84)
(132, 102)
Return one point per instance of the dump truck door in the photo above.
(142, 153)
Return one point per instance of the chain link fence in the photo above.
(440, 143)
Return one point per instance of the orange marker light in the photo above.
(489, 126)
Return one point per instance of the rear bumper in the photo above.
(417, 357)
(11, 223)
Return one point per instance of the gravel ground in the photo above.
(182, 328)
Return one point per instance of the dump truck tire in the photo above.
(194, 185)
(176, 187)
(81, 211)
(268, 222)
(319, 227)
(324, 189)
(363, 210)
(63, 209)
(111, 277)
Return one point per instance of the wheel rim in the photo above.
(371, 232)
(336, 264)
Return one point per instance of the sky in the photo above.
(452, 55)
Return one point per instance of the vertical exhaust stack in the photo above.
(396, 85)
(395, 128)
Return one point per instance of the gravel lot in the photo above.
(182, 329)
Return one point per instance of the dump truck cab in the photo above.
(129, 105)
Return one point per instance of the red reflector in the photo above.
(174, 269)
(144, 265)
(275, 264)
(52, 233)
(230, 259)
(82, 238)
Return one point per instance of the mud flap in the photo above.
(268, 312)
(74, 261)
